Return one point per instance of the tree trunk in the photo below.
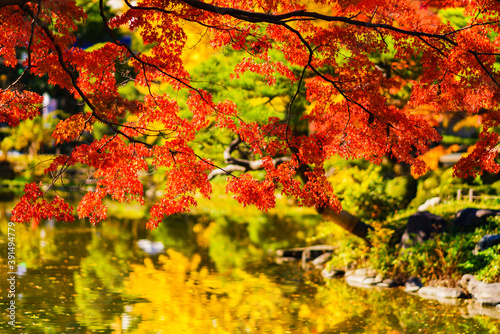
(348, 222)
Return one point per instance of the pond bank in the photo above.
(485, 297)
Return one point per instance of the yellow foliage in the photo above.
(471, 121)
(198, 47)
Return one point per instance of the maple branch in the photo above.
(300, 14)
(241, 165)
(471, 26)
(346, 124)
(484, 68)
(13, 85)
(343, 218)
(107, 142)
(432, 46)
(146, 8)
(227, 170)
(20, 3)
(30, 44)
(145, 63)
(74, 83)
(73, 79)
(132, 53)
(281, 19)
(294, 97)
(333, 83)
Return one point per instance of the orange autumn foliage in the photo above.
(348, 92)
(431, 157)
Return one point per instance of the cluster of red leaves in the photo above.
(265, 69)
(251, 191)
(185, 176)
(351, 114)
(16, 106)
(33, 208)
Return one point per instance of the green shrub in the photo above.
(403, 188)
(362, 192)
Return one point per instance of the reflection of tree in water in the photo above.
(230, 241)
(279, 230)
(179, 232)
(190, 299)
(183, 293)
(230, 245)
(99, 296)
(247, 242)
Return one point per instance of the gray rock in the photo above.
(472, 217)
(331, 273)
(413, 284)
(450, 301)
(484, 293)
(355, 279)
(486, 242)
(429, 203)
(365, 272)
(372, 280)
(474, 310)
(421, 226)
(363, 277)
(349, 273)
(439, 292)
(387, 283)
(494, 301)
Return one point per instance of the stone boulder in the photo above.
(440, 292)
(471, 217)
(413, 284)
(484, 293)
(421, 226)
(429, 203)
(368, 278)
(358, 276)
(486, 242)
(332, 273)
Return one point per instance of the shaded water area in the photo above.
(75, 278)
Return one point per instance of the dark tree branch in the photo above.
(281, 19)
(73, 78)
(241, 165)
(488, 72)
(6, 3)
(256, 17)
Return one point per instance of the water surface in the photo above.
(74, 278)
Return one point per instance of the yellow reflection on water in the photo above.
(183, 299)
(177, 296)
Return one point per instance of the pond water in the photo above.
(75, 278)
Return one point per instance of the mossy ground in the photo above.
(444, 258)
